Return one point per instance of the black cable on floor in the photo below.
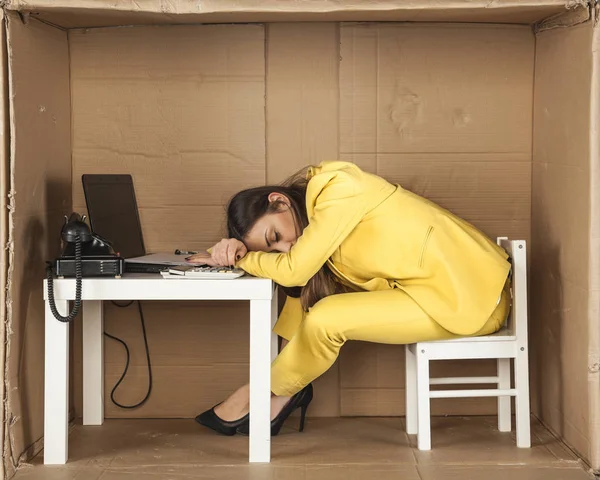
(112, 393)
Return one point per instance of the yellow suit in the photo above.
(420, 263)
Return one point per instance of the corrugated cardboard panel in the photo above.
(90, 13)
(302, 97)
(390, 402)
(40, 195)
(372, 382)
(206, 227)
(198, 350)
(445, 111)
(179, 333)
(302, 124)
(4, 189)
(486, 79)
(472, 186)
(560, 233)
(594, 300)
(355, 372)
(190, 128)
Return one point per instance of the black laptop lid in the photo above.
(113, 212)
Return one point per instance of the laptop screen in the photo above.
(113, 213)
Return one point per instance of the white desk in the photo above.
(263, 346)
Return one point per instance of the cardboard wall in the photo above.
(97, 13)
(4, 189)
(197, 112)
(443, 110)
(594, 299)
(302, 105)
(40, 190)
(560, 248)
(190, 128)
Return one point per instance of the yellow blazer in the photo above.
(378, 236)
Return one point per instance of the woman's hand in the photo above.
(224, 254)
(228, 251)
(202, 258)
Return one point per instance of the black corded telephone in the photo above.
(84, 254)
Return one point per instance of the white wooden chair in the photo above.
(510, 342)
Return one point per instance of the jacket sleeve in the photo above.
(339, 207)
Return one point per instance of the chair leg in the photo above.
(504, 419)
(522, 399)
(411, 391)
(423, 401)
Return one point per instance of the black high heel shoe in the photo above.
(211, 420)
(300, 400)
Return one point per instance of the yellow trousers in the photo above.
(388, 316)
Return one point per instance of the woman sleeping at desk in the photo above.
(360, 259)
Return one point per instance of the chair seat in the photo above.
(504, 334)
(508, 347)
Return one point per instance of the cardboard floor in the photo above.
(465, 448)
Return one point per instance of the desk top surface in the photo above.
(152, 286)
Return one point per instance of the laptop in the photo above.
(113, 214)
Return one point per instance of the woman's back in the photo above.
(378, 236)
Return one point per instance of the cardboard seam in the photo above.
(594, 270)
(169, 8)
(26, 16)
(4, 189)
(266, 36)
(338, 44)
(577, 14)
(559, 439)
(9, 440)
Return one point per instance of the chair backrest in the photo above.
(517, 320)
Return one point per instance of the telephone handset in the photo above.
(84, 254)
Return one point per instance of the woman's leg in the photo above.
(238, 404)
(389, 316)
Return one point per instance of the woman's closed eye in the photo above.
(275, 239)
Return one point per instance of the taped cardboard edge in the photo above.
(4, 191)
(104, 13)
(576, 13)
(594, 270)
(9, 146)
(251, 6)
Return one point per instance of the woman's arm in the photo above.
(339, 207)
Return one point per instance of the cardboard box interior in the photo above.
(482, 113)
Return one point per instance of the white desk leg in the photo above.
(56, 386)
(93, 363)
(260, 381)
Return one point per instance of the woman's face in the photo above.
(274, 232)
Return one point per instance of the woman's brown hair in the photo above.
(247, 206)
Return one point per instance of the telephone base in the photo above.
(92, 266)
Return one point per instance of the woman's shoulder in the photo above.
(329, 167)
(331, 180)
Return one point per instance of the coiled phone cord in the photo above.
(77, 305)
(78, 277)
